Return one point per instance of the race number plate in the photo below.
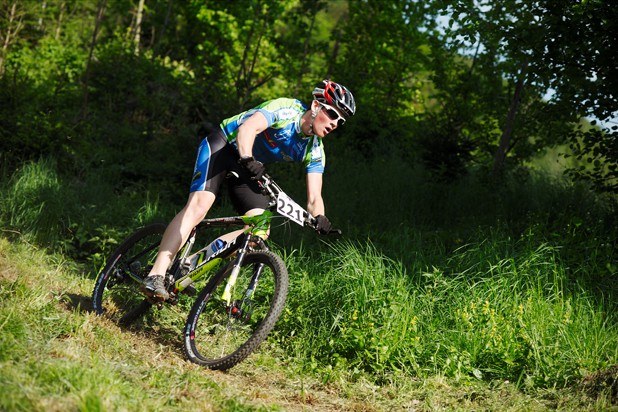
(290, 209)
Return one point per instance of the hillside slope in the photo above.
(56, 355)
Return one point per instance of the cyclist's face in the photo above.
(327, 119)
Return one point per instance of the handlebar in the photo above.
(271, 189)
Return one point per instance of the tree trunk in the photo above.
(93, 43)
(303, 63)
(40, 22)
(138, 25)
(335, 53)
(243, 75)
(59, 22)
(246, 70)
(11, 34)
(507, 133)
(161, 35)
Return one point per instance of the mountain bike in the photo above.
(239, 304)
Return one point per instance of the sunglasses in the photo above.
(333, 114)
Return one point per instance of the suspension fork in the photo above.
(257, 272)
(254, 281)
(231, 281)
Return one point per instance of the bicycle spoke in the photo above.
(219, 333)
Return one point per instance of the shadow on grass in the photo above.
(154, 331)
(603, 382)
(75, 302)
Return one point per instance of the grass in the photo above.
(520, 323)
(57, 355)
(508, 309)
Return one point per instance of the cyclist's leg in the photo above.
(180, 227)
(228, 237)
(248, 200)
(213, 160)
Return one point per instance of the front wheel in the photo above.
(222, 332)
(117, 292)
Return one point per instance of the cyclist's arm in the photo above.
(315, 203)
(247, 132)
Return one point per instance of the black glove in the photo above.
(322, 224)
(255, 168)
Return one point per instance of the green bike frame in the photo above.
(257, 227)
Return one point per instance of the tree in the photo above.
(138, 25)
(302, 41)
(93, 43)
(382, 59)
(535, 46)
(11, 26)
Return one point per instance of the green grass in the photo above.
(506, 307)
(510, 318)
(82, 218)
(57, 355)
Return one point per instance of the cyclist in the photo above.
(277, 130)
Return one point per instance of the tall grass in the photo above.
(33, 199)
(84, 218)
(489, 315)
(57, 355)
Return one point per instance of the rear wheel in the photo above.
(219, 334)
(117, 292)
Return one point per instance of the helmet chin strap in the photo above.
(314, 114)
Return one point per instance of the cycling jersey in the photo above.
(283, 139)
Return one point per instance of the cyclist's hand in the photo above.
(255, 168)
(322, 224)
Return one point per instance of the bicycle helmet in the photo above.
(336, 95)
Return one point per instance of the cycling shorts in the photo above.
(216, 158)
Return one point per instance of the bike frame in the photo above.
(257, 225)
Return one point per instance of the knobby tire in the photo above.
(117, 292)
(220, 336)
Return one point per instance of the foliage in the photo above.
(74, 84)
(497, 311)
(71, 216)
(141, 119)
(597, 151)
(534, 41)
(37, 114)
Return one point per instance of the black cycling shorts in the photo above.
(216, 158)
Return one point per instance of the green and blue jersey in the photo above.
(283, 139)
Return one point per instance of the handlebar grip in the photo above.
(312, 223)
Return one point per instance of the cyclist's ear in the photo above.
(315, 105)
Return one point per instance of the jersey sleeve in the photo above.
(270, 116)
(315, 157)
(269, 109)
(281, 112)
